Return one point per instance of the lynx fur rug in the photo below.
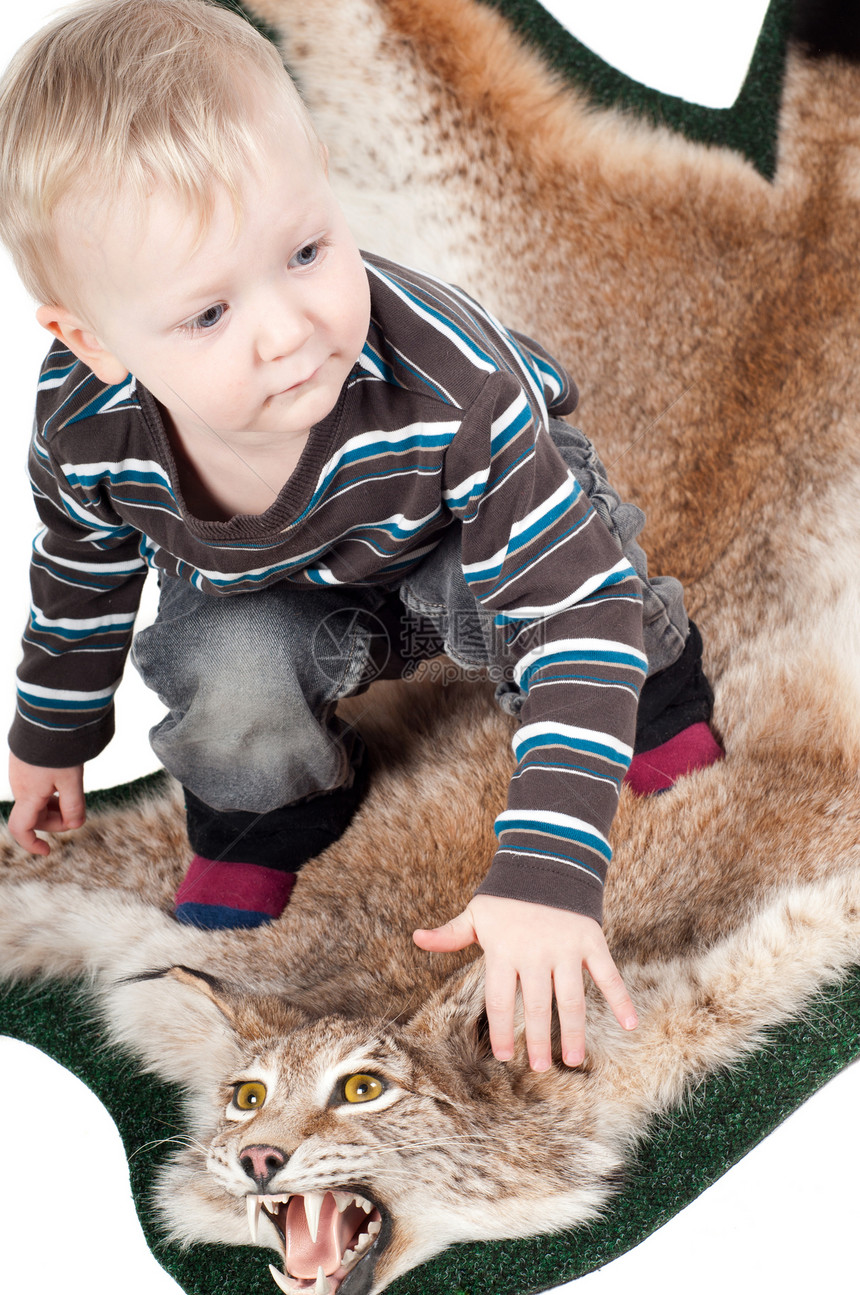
(710, 319)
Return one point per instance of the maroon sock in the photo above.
(658, 769)
(218, 895)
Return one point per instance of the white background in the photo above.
(781, 1221)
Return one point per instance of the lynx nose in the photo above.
(262, 1163)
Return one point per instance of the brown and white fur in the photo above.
(710, 319)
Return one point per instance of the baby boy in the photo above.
(308, 445)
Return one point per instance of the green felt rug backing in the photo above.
(719, 1124)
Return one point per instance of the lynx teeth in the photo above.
(313, 1203)
(363, 1243)
(253, 1205)
(272, 1202)
(321, 1286)
(281, 1281)
(345, 1199)
(313, 1208)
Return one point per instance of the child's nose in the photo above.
(282, 331)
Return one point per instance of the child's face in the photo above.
(250, 337)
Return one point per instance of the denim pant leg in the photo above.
(251, 682)
(665, 622)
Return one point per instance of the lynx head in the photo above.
(357, 1151)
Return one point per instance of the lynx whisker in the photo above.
(178, 1139)
(423, 1145)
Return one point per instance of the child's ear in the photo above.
(83, 343)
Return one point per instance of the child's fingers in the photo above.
(38, 808)
(51, 818)
(500, 996)
(607, 978)
(23, 819)
(570, 1000)
(456, 934)
(537, 1010)
(73, 809)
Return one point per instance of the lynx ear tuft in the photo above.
(212, 988)
(251, 1015)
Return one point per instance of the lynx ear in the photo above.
(212, 988)
(249, 1015)
(456, 1013)
(180, 1037)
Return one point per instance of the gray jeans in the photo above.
(252, 682)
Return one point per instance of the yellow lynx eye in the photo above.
(362, 1088)
(250, 1096)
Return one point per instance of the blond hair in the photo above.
(117, 97)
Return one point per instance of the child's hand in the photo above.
(50, 800)
(546, 948)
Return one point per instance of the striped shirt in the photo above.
(444, 416)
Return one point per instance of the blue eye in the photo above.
(208, 319)
(306, 256)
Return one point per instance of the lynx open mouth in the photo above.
(324, 1236)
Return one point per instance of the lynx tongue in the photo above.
(334, 1233)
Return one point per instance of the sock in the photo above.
(658, 769)
(245, 864)
(216, 895)
(672, 732)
